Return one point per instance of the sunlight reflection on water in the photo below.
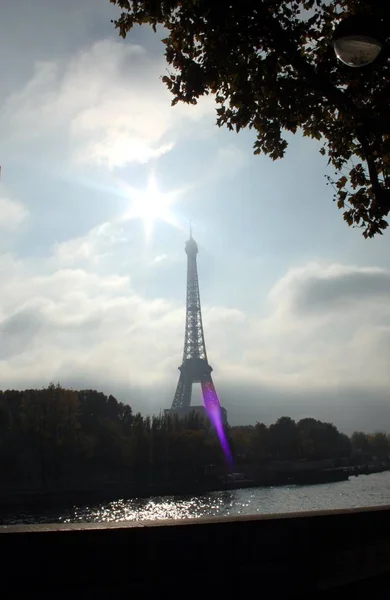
(365, 490)
(153, 508)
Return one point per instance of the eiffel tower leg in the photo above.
(182, 397)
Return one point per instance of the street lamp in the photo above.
(358, 40)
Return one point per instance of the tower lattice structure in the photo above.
(195, 367)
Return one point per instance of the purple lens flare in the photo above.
(213, 411)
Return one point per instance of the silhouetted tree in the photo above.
(261, 442)
(283, 438)
(371, 443)
(271, 67)
(360, 442)
(56, 437)
(321, 440)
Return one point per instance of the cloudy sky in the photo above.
(100, 178)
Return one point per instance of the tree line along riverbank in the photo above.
(58, 443)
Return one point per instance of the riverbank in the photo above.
(371, 490)
(63, 498)
(26, 499)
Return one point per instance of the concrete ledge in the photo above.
(290, 553)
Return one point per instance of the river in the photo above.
(365, 490)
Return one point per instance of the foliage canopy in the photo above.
(56, 438)
(272, 68)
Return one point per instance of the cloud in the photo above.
(17, 331)
(69, 321)
(322, 289)
(85, 327)
(12, 213)
(72, 325)
(107, 103)
(101, 242)
(328, 326)
(159, 258)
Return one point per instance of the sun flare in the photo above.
(151, 205)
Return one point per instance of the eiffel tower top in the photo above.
(191, 246)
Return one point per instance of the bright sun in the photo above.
(151, 205)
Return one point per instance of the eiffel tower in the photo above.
(195, 367)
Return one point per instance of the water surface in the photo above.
(365, 490)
